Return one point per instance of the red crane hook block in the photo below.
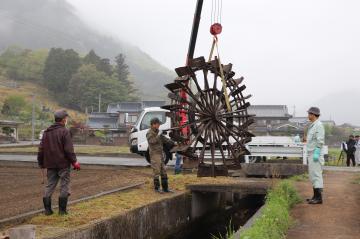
(215, 29)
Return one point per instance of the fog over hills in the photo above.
(54, 23)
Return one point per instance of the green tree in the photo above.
(123, 75)
(23, 64)
(92, 58)
(105, 66)
(60, 65)
(101, 64)
(13, 105)
(122, 69)
(33, 67)
(328, 130)
(86, 85)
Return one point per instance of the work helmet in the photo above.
(314, 111)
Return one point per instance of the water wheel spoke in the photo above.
(198, 135)
(229, 132)
(227, 140)
(212, 152)
(218, 139)
(199, 103)
(202, 153)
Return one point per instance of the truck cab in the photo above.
(137, 138)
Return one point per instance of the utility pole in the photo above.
(294, 113)
(33, 120)
(99, 103)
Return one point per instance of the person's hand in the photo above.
(316, 154)
(76, 166)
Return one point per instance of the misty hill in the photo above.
(53, 23)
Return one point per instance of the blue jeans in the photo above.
(178, 163)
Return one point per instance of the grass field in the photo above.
(334, 154)
(86, 149)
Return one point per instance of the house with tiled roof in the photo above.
(120, 116)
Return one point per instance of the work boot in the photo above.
(62, 205)
(157, 185)
(313, 197)
(165, 185)
(318, 197)
(47, 206)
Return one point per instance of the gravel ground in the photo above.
(21, 188)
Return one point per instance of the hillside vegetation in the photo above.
(42, 96)
(23, 24)
(74, 81)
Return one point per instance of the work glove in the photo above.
(76, 166)
(316, 154)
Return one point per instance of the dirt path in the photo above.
(337, 218)
(21, 189)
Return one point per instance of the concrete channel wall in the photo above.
(157, 220)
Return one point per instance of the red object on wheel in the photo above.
(215, 29)
(76, 166)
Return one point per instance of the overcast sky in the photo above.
(290, 52)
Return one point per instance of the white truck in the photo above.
(261, 147)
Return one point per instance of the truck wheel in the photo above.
(166, 154)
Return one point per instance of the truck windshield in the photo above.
(145, 123)
(139, 118)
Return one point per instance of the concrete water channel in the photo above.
(215, 209)
(200, 212)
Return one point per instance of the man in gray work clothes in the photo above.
(315, 141)
(56, 154)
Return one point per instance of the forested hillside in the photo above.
(45, 24)
(73, 81)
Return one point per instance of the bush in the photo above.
(100, 134)
(13, 105)
(7, 131)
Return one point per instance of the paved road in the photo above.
(21, 143)
(342, 169)
(118, 161)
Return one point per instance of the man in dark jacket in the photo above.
(56, 154)
(350, 150)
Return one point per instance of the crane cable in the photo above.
(216, 11)
(215, 29)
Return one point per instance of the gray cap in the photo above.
(60, 114)
(314, 111)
